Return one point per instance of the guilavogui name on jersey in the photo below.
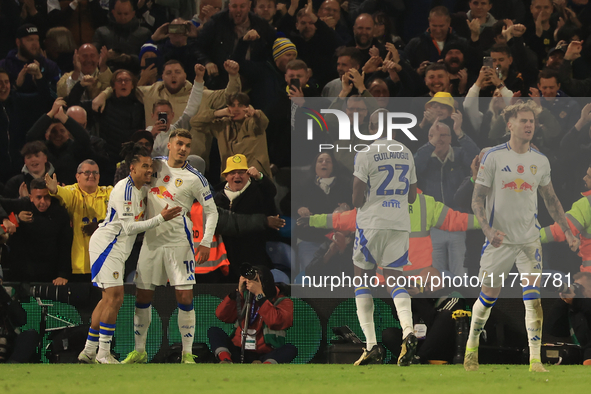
(391, 155)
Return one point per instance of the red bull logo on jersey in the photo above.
(161, 192)
(518, 185)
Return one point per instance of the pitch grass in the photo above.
(319, 378)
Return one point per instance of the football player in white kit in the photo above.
(111, 245)
(168, 254)
(508, 180)
(384, 184)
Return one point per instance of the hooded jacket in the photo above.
(66, 157)
(40, 250)
(13, 184)
(127, 38)
(14, 65)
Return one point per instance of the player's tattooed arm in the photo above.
(478, 199)
(557, 212)
(554, 206)
(494, 236)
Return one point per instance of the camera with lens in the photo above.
(248, 271)
(577, 288)
(76, 294)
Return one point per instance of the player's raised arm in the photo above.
(555, 209)
(359, 188)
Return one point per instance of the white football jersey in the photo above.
(514, 178)
(178, 187)
(388, 176)
(126, 203)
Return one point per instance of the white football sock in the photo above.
(533, 320)
(364, 302)
(480, 314)
(186, 321)
(403, 309)
(141, 323)
(92, 342)
(105, 339)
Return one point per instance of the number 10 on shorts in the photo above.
(190, 266)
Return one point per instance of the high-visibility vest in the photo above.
(579, 221)
(217, 252)
(425, 213)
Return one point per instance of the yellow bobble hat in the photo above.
(442, 98)
(236, 162)
(281, 46)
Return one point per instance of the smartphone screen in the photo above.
(151, 60)
(162, 117)
(177, 29)
(295, 82)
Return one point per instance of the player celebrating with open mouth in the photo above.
(505, 202)
(168, 254)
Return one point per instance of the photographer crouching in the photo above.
(261, 312)
(571, 315)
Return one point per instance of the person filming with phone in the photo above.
(176, 40)
(261, 312)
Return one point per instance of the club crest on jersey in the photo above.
(533, 169)
(391, 204)
(520, 169)
(116, 275)
(166, 179)
(178, 182)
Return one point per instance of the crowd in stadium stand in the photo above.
(80, 78)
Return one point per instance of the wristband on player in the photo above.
(472, 180)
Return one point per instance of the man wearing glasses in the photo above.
(86, 203)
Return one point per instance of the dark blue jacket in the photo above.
(442, 180)
(217, 42)
(422, 48)
(49, 69)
